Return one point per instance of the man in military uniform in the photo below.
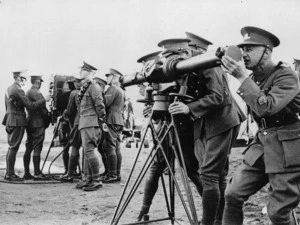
(214, 104)
(15, 119)
(217, 120)
(297, 66)
(72, 115)
(35, 130)
(91, 119)
(102, 83)
(114, 103)
(272, 94)
(66, 125)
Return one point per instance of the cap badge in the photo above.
(246, 36)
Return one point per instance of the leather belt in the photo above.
(277, 121)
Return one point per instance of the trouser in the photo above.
(103, 154)
(66, 156)
(90, 139)
(159, 164)
(284, 193)
(14, 138)
(34, 142)
(75, 142)
(112, 141)
(213, 156)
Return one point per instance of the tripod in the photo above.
(167, 134)
(55, 134)
(67, 146)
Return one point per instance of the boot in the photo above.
(65, 157)
(143, 216)
(26, 162)
(36, 164)
(110, 178)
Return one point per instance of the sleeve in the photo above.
(285, 86)
(109, 96)
(214, 97)
(26, 102)
(71, 107)
(97, 97)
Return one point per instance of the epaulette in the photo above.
(283, 64)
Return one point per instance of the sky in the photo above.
(54, 36)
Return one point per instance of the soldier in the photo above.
(66, 125)
(91, 120)
(35, 130)
(216, 125)
(72, 115)
(297, 66)
(272, 94)
(184, 126)
(102, 83)
(114, 103)
(15, 119)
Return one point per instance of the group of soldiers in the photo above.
(272, 95)
(207, 127)
(96, 120)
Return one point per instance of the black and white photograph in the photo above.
(150, 112)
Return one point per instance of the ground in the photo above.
(60, 203)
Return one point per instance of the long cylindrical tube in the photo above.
(195, 63)
(176, 66)
(207, 60)
(133, 79)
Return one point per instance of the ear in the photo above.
(267, 54)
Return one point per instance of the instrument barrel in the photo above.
(133, 79)
(207, 60)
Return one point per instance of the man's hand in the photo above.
(234, 68)
(178, 108)
(147, 111)
(65, 116)
(48, 97)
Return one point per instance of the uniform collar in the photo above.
(261, 75)
(17, 84)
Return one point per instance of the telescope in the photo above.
(176, 66)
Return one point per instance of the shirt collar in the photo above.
(261, 75)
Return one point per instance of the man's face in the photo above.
(39, 84)
(22, 81)
(110, 79)
(84, 74)
(252, 55)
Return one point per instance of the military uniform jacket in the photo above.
(15, 109)
(215, 111)
(273, 92)
(92, 109)
(35, 118)
(72, 108)
(114, 102)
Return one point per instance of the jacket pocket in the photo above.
(253, 153)
(290, 140)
